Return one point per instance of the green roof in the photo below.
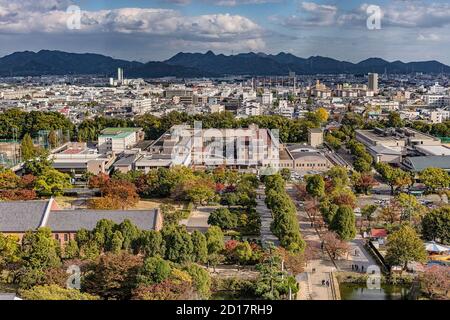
(114, 131)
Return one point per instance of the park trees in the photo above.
(343, 223)
(396, 178)
(404, 246)
(315, 186)
(9, 251)
(178, 244)
(55, 292)
(436, 225)
(112, 276)
(117, 194)
(410, 207)
(435, 179)
(223, 218)
(51, 182)
(363, 182)
(435, 282)
(368, 211)
(335, 245)
(27, 148)
(200, 253)
(154, 270)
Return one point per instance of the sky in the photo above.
(155, 30)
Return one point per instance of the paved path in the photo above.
(358, 255)
(266, 218)
(318, 269)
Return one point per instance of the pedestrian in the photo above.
(353, 267)
(323, 282)
(328, 283)
(362, 268)
(356, 266)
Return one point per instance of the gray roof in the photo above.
(74, 220)
(420, 163)
(20, 216)
(8, 296)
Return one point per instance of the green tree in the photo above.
(52, 182)
(27, 148)
(214, 240)
(178, 244)
(55, 292)
(71, 250)
(435, 179)
(9, 250)
(40, 250)
(315, 186)
(200, 253)
(151, 243)
(403, 246)
(201, 279)
(436, 225)
(117, 241)
(223, 218)
(344, 223)
(368, 211)
(154, 270)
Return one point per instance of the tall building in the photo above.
(373, 82)
(119, 75)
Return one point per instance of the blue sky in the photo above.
(146, 30)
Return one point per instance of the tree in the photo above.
(403, 246)
(154, 270)
(99, 181)
(363, 182)
(53, 139)
(338, 176)
(55, 292)
(322, 115)
(410, 207)
(71, 250)
(201, 279)
(117, 241)
(9, 251)
(27, 148)
(335, 246)
(286, 174)
(436, 225)
(435, 179)
(368, 211)
(151, 243)
(223, 218)
(40, 250)
(394, 177)
(344, 223)
(112, 276)
(315, 185)
(52, 182)
(123, 191)
(200, 253)
(395, 121)
(435, 282)
(333, 141)
(391, 213)
(362, 165)
(178, 244)
(214, 240)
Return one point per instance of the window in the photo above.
(66, 237)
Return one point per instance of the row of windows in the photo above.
(66, 237)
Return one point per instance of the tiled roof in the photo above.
(73, 220)
(19, 216)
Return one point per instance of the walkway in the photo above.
(266, 218)
(318, 269)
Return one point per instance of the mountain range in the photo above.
(184, 65)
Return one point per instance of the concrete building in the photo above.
(373, 82)
(315, 137)
(119, 139)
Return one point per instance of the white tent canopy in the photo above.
(435, 247)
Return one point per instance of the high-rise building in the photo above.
(373, 82)
(119, 75)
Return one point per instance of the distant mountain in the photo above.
(282, 63)
(46, 62)
(184, 65)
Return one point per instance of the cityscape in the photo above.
(222, 170)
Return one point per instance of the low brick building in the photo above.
(18, 217)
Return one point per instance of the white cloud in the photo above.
(51, 18)
(428, 37)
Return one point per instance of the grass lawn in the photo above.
(65, 202)
(148, 204)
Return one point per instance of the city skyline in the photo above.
(156, 30)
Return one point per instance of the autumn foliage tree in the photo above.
(117, 194)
